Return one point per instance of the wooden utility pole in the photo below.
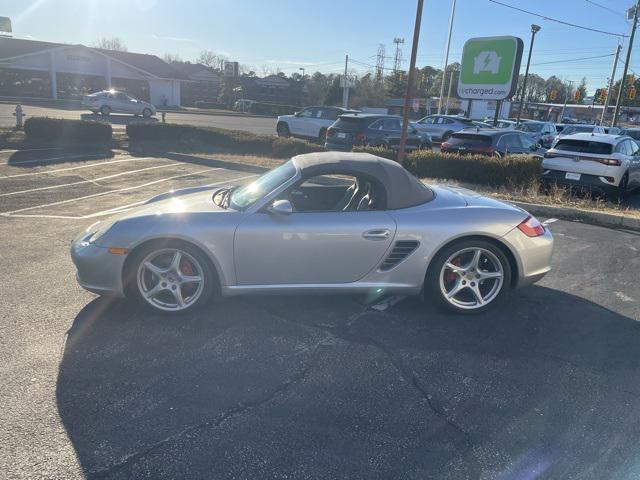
(616, 112)
(410, 82)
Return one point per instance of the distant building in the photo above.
(272, 89)
(203, 83)
(37, 69)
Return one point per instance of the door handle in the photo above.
(378, 234)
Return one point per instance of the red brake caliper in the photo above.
(187, 268)
(450, 275)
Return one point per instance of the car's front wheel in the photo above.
(170, 277)
(469, 276)
(283, 130)
(105, 110)
(146, 113)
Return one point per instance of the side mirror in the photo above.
(281, 207)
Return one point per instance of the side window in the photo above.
(447, 121)
(634, 147)
(622, 148)
(377, 125)
(509, 142)
(307, 113)
(392, 124)
(335, 193)
(330, 114)
(429, 120)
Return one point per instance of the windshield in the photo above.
(249, 194)
(530, 127)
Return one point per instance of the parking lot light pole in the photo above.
(446, 59)
(616, 112)
(410, 81)
(534, 29)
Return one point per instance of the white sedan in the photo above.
(112, 101)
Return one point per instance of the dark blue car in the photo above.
(374, 130)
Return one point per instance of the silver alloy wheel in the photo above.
(170, 279)
(471, 278)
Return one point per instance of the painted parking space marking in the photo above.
(93, 180)
(68, 169)
(93, 195)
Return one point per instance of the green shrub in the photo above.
(512, 170)
(63, 131)
(290, 147)
(272, 109)
(230, 140)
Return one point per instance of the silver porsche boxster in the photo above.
(319, 223)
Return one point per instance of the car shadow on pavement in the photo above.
(36, 158)
(544, 386)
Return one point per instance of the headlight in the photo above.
(99, 229)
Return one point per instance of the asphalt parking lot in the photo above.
(546, 386)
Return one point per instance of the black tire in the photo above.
(322, 137)
(105, 110)
(283, 130)
(621, 192)
(146, 113)
(132, 285)
(432, 285)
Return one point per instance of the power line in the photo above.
(558, 21)
(572, 59)
(606, 8)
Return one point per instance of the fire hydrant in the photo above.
(19, 115)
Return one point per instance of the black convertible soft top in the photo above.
(403, 190)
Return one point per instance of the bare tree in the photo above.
(212, 59)
(172, 58)
(113, 43)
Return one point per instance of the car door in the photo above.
(310, 247)
(634, 163)
(528, 144)
(298, 123)
(428, 125)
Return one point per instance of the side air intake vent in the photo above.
(401, 250)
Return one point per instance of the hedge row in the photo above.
(272, 109)
(63, 131)
(231, 140)
(512, 170)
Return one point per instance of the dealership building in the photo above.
(37, 69)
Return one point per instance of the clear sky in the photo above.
(290, 34)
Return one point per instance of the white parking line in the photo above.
(115, 209)
(52, 159)
(91, 165)
(93, 180)
(108, 192)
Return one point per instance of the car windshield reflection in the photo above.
(248, 195)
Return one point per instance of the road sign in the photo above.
(489, 68)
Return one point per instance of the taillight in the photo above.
(610, 161)
(331, 132)
(361, 136)
(531, 227)
(445, 145)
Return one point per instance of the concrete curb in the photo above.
(585, 216)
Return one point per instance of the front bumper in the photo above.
(532, 254)
(586, 182)
(98, 271)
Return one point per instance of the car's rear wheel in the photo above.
(283, 130)
(146, 113)
(170, 277)
(469, 276)
(105, 110)
(622, 187)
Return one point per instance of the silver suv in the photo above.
(440, 127)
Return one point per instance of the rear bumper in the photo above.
(340, 147)
(98, 271)
(532, 255)
(587, 181)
